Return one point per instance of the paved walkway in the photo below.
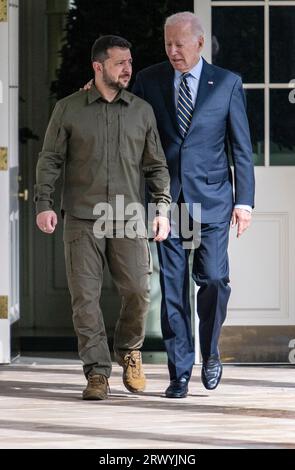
(41, 407)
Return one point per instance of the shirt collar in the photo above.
(94, 95)
(194, 72)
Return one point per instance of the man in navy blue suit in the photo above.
(200, 111)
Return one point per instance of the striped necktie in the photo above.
(184, 106)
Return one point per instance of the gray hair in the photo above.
(186, 17)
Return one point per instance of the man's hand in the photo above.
(46, 221)
(242, 218)
(88, 85)
(161, 228)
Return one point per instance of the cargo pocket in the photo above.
(150, 258)
(143, 254)
(73, 241)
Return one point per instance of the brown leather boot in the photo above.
(133, 375)
(97, 387)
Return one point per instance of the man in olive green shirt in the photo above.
(105, 141)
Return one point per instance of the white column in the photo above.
(202, 8)
(4, 185)
(9, 282)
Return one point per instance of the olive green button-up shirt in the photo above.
(103, 150)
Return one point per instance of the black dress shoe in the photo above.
(177, 388)
(211, 372)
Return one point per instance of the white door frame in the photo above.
(9, 214)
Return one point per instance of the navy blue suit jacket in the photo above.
(199, 164)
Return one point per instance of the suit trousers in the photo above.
(128, 260)
(210, 271)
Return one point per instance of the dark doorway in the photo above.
(46, 322)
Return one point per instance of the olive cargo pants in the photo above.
(128, 260)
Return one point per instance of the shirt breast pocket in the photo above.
(132, 141)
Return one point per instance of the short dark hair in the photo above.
(100, 47)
